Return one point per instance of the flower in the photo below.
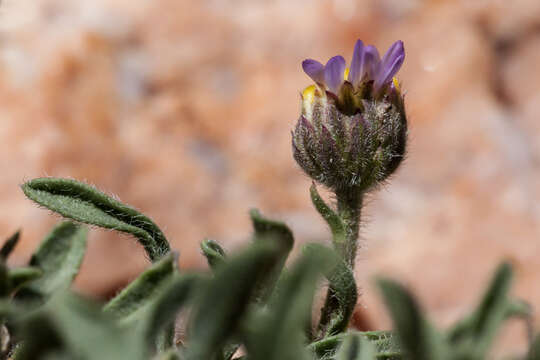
(352, 129)
(366, 68)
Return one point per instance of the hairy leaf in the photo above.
(9, 245)
(59, 257)
(91, 334)
(534, 351)
(343, 294)
(277, 233)
(386, 345)
(23, 275)
(356, 347)
(213, 252)
(131, 302)
(86, 204)
(419, 339)
(337, 227)
(223, 302)
(477, 331)
(279, 332)
(163, 310)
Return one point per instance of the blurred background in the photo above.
(183, 109)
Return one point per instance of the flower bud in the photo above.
(352, 129)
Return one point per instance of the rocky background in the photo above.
(183, 109)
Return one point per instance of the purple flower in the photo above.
(366, 66)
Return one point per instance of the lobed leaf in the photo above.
(84, 203)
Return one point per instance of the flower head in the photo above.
(366, 69)
(352, 130)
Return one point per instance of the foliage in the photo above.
(250, 306)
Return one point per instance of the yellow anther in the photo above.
(346, 74)
(396, 84)
(308, 95)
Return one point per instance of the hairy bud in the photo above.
(352, 130)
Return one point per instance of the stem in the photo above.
(349, 205)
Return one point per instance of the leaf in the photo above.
(478, 330)
(278, 333)
(222, 303)
(355, 347)
(59, 257)
(213, 252)
(41, 338)
(9, 245)
(418, 338)
(163, 310)
(23, 275)
(342, 296)
(386, 345)
(90, 334)
(130, 303)
(534, 350)
(279, 234)
(337, 227)
(86, 204)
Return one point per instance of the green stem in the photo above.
(349, 205)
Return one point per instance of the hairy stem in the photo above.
(349, 205)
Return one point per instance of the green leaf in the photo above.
(170, 355)
(386, 345)
(9, 245)
(356, 347)
(222, 303)
(90, 334)
(213, 252)
(163, 310)
(534, 351)
(337, 227)
(130, 303)
(477, 331)
(340, 302)
(419, 339)
(279, 234)
(41, 338)
(278, 333)
(86, 204)
(22, 276)
(59, 257)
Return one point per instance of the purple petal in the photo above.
(390, 64)
(333, 73)
(357, 64)
(387, 72)
(396, 50)
(314, 70)
(372, 61)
